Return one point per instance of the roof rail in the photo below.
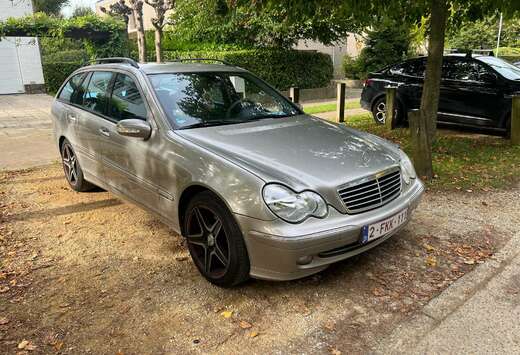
(116, 60)
(200, 60)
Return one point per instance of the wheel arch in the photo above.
(60, 141)
(187, 195)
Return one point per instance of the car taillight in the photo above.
(367, 82)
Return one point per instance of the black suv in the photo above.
(476, 91)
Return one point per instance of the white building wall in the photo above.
(27, 49)
(351, 46)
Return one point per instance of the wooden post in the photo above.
(421, 147)
(294, 94)
(390, 107)
(340, 105)
(515, 120)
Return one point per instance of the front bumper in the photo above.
(277, 250)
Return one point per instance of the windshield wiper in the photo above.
(210, 124)
(273, 115)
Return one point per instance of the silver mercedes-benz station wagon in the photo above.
(257, 187)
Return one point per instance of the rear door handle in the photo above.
(104, 132)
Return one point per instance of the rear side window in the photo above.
(466, 70)
(414, 68)
(95, 98)
(71, 90)
(127, 102)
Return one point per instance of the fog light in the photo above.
(304, 260)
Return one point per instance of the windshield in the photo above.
(508, 71)
(203, 99)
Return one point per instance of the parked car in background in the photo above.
(255, 186)
(475, 91)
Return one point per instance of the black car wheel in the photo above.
(215, 241)
(72, 169)
(379, 112)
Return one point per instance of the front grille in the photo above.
(372, 192)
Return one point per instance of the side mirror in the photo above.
(488, 77)
(134, 128)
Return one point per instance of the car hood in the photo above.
(303, 152)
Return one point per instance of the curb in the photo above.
(404, 338)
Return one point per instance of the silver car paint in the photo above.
(235, 162)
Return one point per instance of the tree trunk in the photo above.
(141, 38)
(432, 80)
(427, 116)
(158, 45)
(421, 145)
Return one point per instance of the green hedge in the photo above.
(510, 58)
(280, 68)
(67, 56)
(55, 73)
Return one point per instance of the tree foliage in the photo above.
(249, 26)
(80, 11)
(50, 7)
(482, 34)
(387, 42)
(101, 37)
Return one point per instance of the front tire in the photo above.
(379, 112)
(215, 242)
(72, 169)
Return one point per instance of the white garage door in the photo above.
(10, 76)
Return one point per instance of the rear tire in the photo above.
(72, 169)
(379, 112)
(215, 242)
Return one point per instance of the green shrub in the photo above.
(73, 55)
(55, 73)
(352, 68)
(386, 43)
(510, 58)
(281, 68)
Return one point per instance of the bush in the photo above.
(352, 68)
(281, 68)
(55, 73)
(387, 43)
(67, 56)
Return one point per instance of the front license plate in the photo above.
(381, 228)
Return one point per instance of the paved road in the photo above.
(26, 131)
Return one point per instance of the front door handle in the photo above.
(104, 132)
(71, 116)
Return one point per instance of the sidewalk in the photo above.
(478, 314)
(26, 131)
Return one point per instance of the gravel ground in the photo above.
(88, 273)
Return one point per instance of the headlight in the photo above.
(407, 168)
(292, 206)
